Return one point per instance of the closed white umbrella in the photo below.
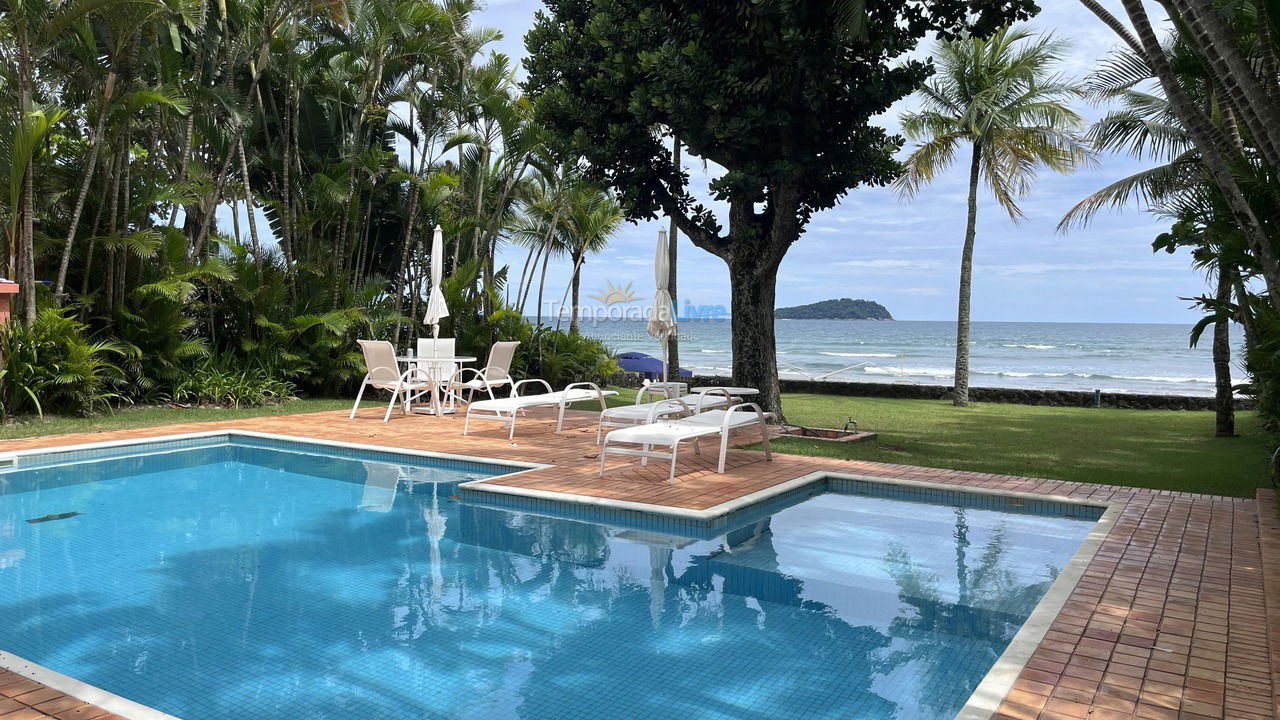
(662, 321)
(436, 307)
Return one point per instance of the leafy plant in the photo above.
(51, 365)
(221, 383)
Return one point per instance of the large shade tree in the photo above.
(778, 95)
(1004, 98)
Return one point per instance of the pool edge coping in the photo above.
(982, 704)
(7, 458)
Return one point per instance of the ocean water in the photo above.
(1112, 357)
(244, 582)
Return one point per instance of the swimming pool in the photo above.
(242, 577)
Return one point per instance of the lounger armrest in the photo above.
(728, 415)
(515, 389)
(591, 385)
(713, 391)
(658, 410)
(644, 390)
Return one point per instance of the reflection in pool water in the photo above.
(238, 582)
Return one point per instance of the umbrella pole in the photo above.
(665, 340)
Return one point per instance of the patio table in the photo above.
(434, 363)
(731, 389)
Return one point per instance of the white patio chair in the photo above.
(505, 410)
(383, 373)
(496, 372)
(670, 433)
(380, 484)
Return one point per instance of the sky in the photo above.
(905, 254)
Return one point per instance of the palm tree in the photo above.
(1223, 159)
(1179, 188)
(1003, 96)
(593, 219)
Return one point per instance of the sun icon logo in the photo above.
(613, 295)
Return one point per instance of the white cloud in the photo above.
(888, 264)
(1046, 268)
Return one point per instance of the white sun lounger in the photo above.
(670, 433)
(642, 413)
(506, 409)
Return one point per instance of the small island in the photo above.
(842, 309)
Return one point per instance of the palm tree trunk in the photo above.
(542, 281)
(579, 256)
(220, 182)
(545, 252)
(1244, 313)
(113, 215)
(1213, 145)
(960, 395)
(406, 247)
(126, 197)
(27, 282)
(248, 208)
(95, 230)
(26, 227)
(577, 288)
(96, 142)
(478, 244)
(1228, 64)
(524, 271)
(1223, 403)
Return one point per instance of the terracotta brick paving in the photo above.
(1174, 617)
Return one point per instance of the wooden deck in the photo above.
(1177, 616)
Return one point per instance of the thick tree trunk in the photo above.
(753, 279)
(673, 244)
(961, 394)
(1224, 403)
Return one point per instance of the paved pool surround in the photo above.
(1175, 615)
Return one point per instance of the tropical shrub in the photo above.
(560, 358)
(556, 356)
(221, 383)
(291, 332)
(52, 366)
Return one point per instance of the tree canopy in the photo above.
(779, 95)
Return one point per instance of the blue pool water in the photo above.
(246, 581)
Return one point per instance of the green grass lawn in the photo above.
(1169, 450)
(1141, 448)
